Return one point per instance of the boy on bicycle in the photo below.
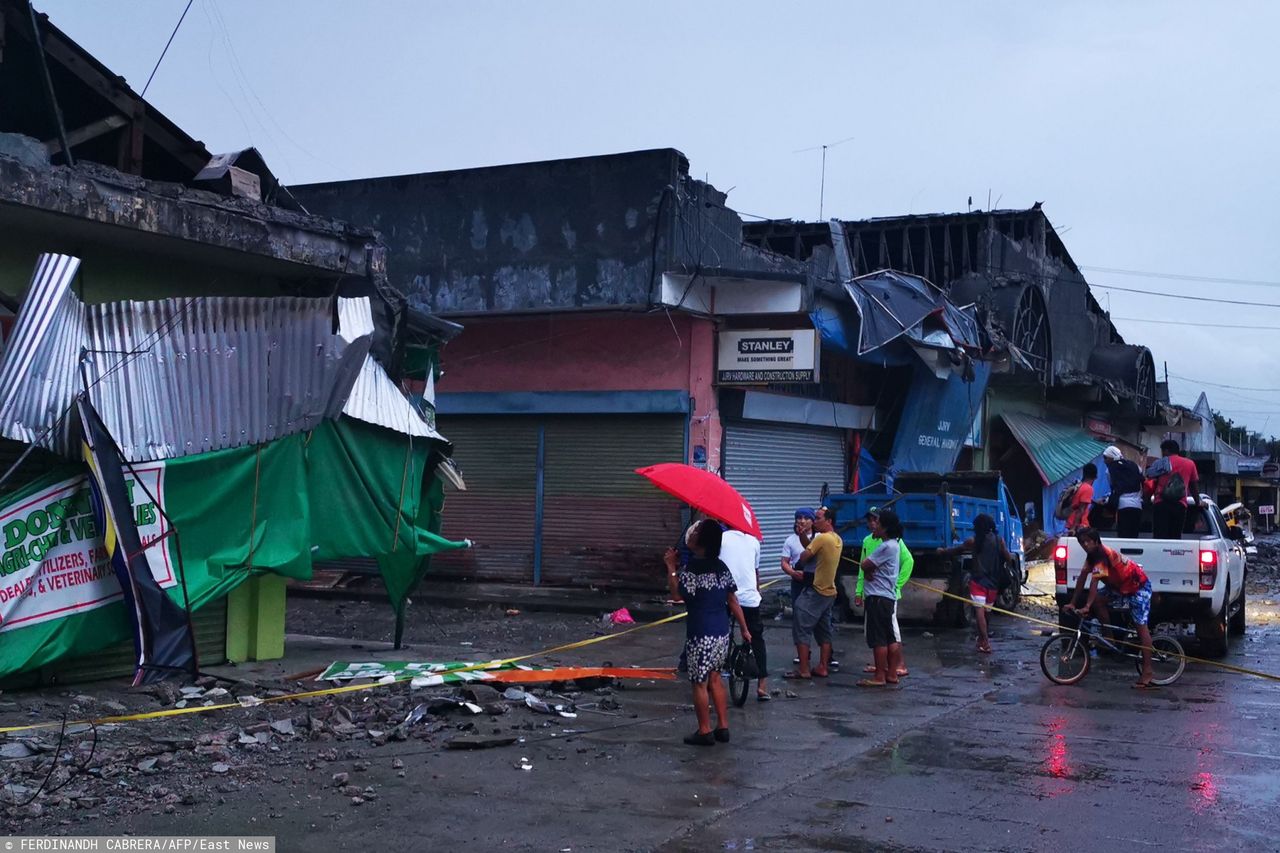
(1127, 586)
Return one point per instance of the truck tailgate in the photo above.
(1173, 565)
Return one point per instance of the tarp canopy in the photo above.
(892, 304)
(345, 489)
(1057, 450)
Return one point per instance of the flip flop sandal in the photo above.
(1146, 686)
(867, 682)
(763, 697)
(869, 668)
(902, 673)
(795, 676)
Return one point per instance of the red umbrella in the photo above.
(704, 491)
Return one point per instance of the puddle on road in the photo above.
(927, 750)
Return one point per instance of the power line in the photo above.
(166, 48)
(1220, 385)
(1182, 277)
(1192, 298)
(1194, 323)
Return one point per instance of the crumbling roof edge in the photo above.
(97, 193)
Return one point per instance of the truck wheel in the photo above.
(1237, 625)
(951, 614)
(1214, 634)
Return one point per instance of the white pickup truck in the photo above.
(1198, 579)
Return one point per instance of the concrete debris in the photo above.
(284, 727)
(340, 779)
(397, 764)
(17, 749)
(220, 767)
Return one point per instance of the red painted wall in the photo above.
(591, 352)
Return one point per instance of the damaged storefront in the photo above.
(245, 356)
(256, 440)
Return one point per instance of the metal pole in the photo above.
(537, 505)
(48, 86)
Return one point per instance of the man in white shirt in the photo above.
(741, 553)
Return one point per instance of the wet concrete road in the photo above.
(970, 754)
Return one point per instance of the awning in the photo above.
(1056, 450)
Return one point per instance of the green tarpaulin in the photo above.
(347, 489)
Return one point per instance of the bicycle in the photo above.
(1065, 657)
(742, 667)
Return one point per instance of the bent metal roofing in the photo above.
(1056, 450)
(176, 377)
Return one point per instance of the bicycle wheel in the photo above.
(1167, 661)
(1064, 658)
(739, 684)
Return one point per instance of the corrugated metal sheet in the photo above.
(602, 525)
(177, 377)
(1056, 449)
(779, 468)
(375, 398)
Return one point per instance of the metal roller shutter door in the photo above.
(604, 525)
(498, 459)
(778, 468)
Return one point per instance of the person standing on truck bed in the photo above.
(988, 550)
(813, 607)
(1127, 586)
(1173, 485)
(906, 563)
(1126, 492)
(1082, 499)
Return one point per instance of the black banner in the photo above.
(162, 634)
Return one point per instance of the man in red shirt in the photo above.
(1082, 500)
(1169, 513)
(1127, 586)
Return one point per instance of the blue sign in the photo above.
(936, 419)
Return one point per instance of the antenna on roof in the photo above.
(822, 188)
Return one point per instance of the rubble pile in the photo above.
(166, 764)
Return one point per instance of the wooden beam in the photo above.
(90, 131)
(121, 98)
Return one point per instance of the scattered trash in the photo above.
(247, 739)
(340, 779)
(791, 694)
(397, 764)
(514, 694)
(621, 616)
(284, 727)
(220, 767)
(525, 764)
(513, 612)
(249, 701)
(146, 764)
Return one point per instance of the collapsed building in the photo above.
(206, 314)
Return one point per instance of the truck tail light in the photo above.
(1208, 569)
(1060, 565)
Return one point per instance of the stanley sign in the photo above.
(759, 356)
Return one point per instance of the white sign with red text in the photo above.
(53, 562)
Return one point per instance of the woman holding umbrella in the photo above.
(707, 587)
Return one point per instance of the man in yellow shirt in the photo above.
(813, 606)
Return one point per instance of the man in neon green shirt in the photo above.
(905, 562)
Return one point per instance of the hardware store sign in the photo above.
(758, 356)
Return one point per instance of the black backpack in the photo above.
(1175, 489)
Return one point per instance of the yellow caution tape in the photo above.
(348, 688)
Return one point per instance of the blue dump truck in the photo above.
(937, 510)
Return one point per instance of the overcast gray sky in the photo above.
(1148, 129)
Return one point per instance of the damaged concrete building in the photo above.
(89, 169)
(617, 318)
(1065, 382)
